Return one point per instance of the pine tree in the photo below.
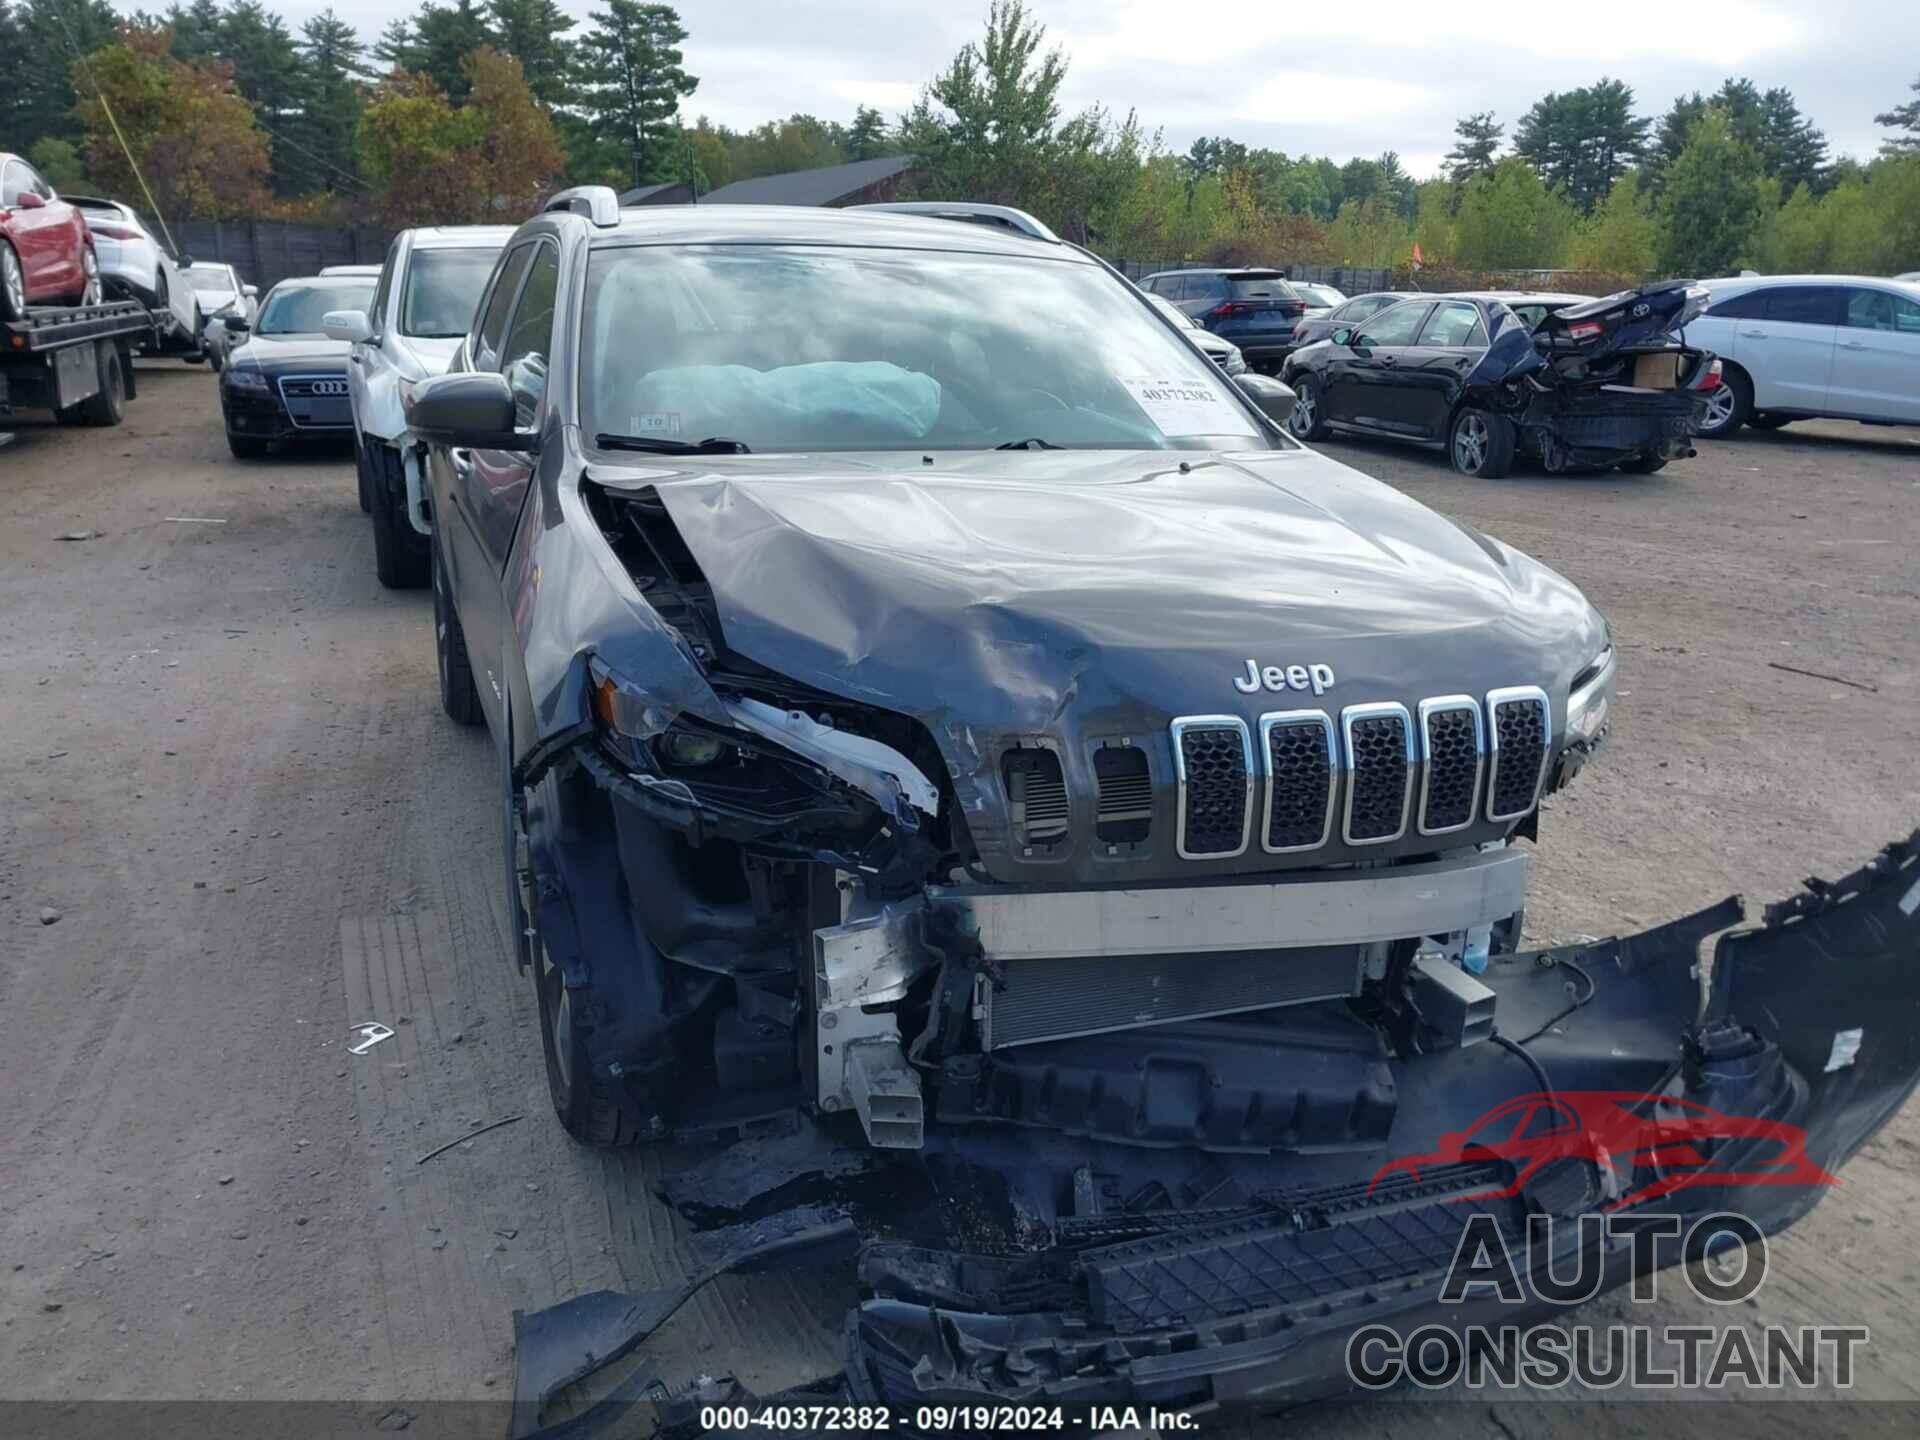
(633, 82)
(1474, 150)
(1581, 140)
(330, 52)
(534, 32)
(53, 35)
(867, 136)
(1711, 204)
(445, 36)
(1902, 117)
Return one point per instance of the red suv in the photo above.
(46, 255)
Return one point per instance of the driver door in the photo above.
(490, 486)
(1363, 380)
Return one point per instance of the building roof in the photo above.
(642, 193)
(809, 187)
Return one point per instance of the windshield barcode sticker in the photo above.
(1186, 407)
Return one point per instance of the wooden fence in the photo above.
(265, 252)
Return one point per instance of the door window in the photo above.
(1455, 324)
(1750, 306)
(1396, 326)
(1882, 310)
(1805, 304)
(377, 315)
(493, 319)
(13, 179)
(529, 340)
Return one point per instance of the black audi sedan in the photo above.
(284, 379)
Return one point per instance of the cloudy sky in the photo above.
(1341, 80)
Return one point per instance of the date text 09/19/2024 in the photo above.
(933, 1419)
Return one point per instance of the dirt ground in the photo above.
(227, 774)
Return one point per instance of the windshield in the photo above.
(212, 282)
(297, 309)
(442, 288)
(824, 348)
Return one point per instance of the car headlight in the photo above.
(1235, 363)
(244, 379)
(1590, 700)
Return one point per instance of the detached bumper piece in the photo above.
(1041, 1267)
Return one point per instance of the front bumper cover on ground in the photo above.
(1239, 1279)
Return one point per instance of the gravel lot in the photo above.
(227, 773)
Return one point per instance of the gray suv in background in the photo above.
(1255, 309)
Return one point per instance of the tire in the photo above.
(1767, 420)
(91, 290)
(246, 447)
(108, 405)
(13, 285)
(1308, 421)
(459, 697)
(1644, 465)
(1728, 407)
(1480, 444)
(399, 551)
(362, 468)
(588, 1106)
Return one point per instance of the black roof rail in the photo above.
(597, 202)
(1005, 216)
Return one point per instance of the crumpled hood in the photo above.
(995, 592)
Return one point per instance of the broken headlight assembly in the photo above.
(1589, 701)
(750, 785)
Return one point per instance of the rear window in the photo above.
(1262, 287)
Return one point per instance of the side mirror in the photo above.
(1273, 398)
(348, 325)
(473, 410)
(1342, 336)
(252, 292)
(236, 324)
(30, 200)
(186, 262)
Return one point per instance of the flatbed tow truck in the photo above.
(76, 362)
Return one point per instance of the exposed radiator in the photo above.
(1092, 994)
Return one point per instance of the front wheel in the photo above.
(1729, 406)
(459, 697)
(13, 285)
(1481, 444)
(399, 550)
(1308, 420)
(90, 291)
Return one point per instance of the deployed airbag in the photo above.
(873, 399)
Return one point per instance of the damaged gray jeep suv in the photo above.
(1058, 829)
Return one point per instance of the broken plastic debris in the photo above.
(368, 1033)
(1846, 1047)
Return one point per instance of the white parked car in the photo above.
(221, 296)
(421, 311)
(136, 264)
(1794, 347)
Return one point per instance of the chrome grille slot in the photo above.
(1214, 763)
(1302, 777)
(1037, 792)
(1519, 741)
(1452, 755)
(1379, 745)
(1125, 810)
